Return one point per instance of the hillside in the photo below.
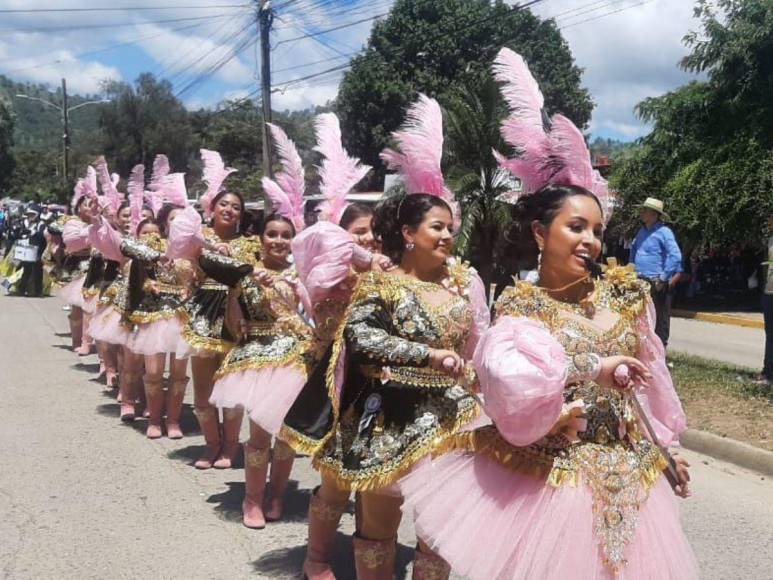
(38, 127)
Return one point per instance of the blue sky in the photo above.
(628, 48)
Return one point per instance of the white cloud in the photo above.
(627, 56)
(303, 97)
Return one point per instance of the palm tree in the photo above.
(473, 118)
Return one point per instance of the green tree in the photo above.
(710, 152)
(7, 162)
(472, 119)
(145, 119)
(439, 46)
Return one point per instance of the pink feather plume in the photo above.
(339, 172)
(214, 175)
(136, 195)
(286, 190)
(160, 170)
(174, 189)
(418, 160)
(554, 155)
(112, 196)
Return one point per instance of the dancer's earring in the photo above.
(409, 247)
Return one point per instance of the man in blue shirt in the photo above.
(658, 260)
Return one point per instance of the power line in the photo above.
(339, 27)
(116, 9)
(98, 26)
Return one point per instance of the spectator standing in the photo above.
(658, 260)
(767, 308)
(31, 283)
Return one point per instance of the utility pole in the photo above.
(265, 18)
(65, 111)
(66, 136)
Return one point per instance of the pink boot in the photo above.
(255, 469)
(210, 428)
(281, 466)
(154, 395)
(428, 566)
(127, 384)
(374, 559)
(86, 343)
(232, 425)
(323, 525)
(174, 406)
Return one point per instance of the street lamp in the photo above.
(65, 111)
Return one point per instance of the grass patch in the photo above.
(723, 399)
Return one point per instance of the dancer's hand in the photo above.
(380, 263)
(683, 475)
(262, 277)
(637, 373)
(446, 361)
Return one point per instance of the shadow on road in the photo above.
(288, 562)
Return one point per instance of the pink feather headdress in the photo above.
(420, 152)
(85, 187)
(549, 151)
(160, 171)
(286, 190)
(111, 196)
(339, 172)
(215, 173)
(174, 190)
(136, 195)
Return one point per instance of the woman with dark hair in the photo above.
(264, 371)
(206, 333)
(567, 481)
(77, 254)
(395, 387)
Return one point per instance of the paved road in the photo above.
(82, 496)
(733, 344)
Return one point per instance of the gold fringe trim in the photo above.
(197, 342)
(300, 442)
(89, 292)
(356, 481)
(293, 359)
(148, 317)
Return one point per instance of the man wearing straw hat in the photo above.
(658, 260)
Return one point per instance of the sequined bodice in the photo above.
(445, 325)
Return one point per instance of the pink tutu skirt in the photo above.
(266, 394)
(491, 523)
(90, 304)
(106, 326)
(158, 337)
(72, 293)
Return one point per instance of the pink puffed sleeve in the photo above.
(324, 255)
(75, 235)
(481, 315)
(105, 239)
(522, 373)
(185, 236)
(660, 400)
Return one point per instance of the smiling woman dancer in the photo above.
(206, 332)
(393, 389)
(566, 483)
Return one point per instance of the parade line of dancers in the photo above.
(535, 443)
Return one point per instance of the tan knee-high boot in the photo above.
(128, 395)
(255, 469)
(174, 407)
(282, 460)
(232, 425)
(429, 566)
(374, 559)
(76, 329)
(84, 348)
(323, 526)
(210, 428)
(154, 394)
